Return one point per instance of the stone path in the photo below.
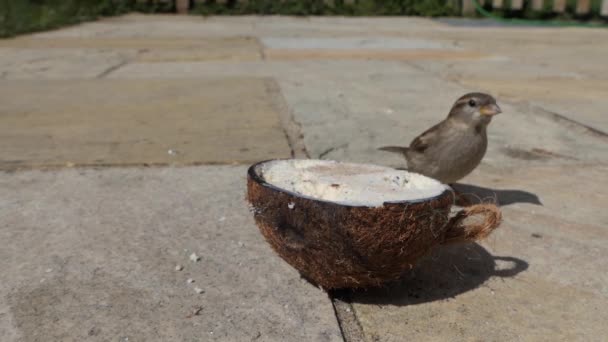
(124, 145)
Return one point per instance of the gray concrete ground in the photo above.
(91, 234)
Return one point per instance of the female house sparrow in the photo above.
(454, 147)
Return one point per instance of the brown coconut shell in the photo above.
(343, 246)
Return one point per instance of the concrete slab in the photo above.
(566, 192)
(129, 122)
(367, 54)
(504, 308)
(41, 63)
(377, 48)
(151, 49)
(348, 109)
(387, 103)
(350, 43)
(28, 42)
(91, 255)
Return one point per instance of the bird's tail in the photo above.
(394, 149)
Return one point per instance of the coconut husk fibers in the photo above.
(340, 246)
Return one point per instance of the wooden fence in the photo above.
(583, 7)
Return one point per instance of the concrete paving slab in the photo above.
(367, 54)
(28, 42)
(563, 235)
(387, 103)
(504, 308)
(377, 48)
(129, 122)
(565, 192)
(391, 103)
(350, 43)
(521, 48)
(41, 63)
(91, 255)
(151, 49)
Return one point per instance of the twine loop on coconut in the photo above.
(459, 231)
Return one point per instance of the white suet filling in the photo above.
(348, 183)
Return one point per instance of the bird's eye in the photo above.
(472, 103)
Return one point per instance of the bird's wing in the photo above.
(395, 149)
(422, 142)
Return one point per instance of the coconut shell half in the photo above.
(340, 245)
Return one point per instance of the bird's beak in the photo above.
(491, 109)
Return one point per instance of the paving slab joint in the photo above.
(291, 128)
(350, 327)
(113, 68)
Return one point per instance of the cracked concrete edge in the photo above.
(350, 327)
(291, 128)
(112, 68)
(123, 62)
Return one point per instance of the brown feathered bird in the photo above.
(454, 147)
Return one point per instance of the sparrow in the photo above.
(453, 148)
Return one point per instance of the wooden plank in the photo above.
(604, 9)
(497, 3)
(559, 6)
(467, 7)
(583, 6)
(537, 5)
(517, 4)
(182, 6)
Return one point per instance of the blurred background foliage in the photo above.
(21, 16)
(319, 7)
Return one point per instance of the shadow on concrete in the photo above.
(476, 194)
(447, 272)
